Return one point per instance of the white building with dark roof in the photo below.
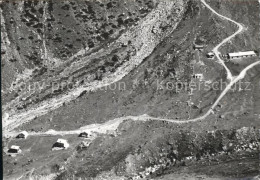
(210, 55)
(198, 47)
(84, 134)
(14, 149)
(22, 135)
(60, 144)
(241, 54)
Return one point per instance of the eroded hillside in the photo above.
(93, 70)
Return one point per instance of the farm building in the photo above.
(84, 134)
(22, 135)
(241, 54)
(14, 150)
(210, 55)
(198, 47)
(60, 144)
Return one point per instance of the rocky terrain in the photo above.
(119, 69)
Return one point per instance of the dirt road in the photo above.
(215, 49)
(113, 124)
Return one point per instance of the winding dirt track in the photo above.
(113, 124)
(215, 50)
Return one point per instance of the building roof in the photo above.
(83, 132)
(24, 132)
(15, 147)
(62, 141)
(245, 53)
